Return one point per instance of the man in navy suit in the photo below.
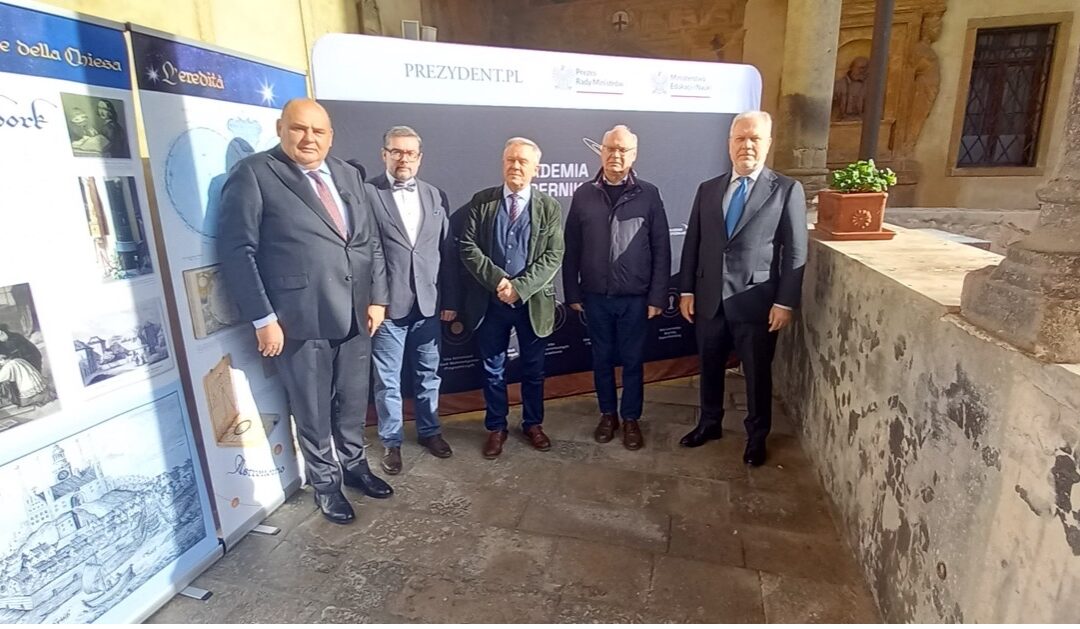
(301, 255)
(420, 262)
(741, 277)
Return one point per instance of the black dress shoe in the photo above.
(335, 507)
(361, 478)
(754, 455)
(701, 434)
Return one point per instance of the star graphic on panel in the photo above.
(266, 91)
(151, 74)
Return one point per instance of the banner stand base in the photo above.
(265, 529)
(198, 594)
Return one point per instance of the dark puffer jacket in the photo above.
(617, 250)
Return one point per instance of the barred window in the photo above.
(1009, 74)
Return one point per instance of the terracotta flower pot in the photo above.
(851, 216)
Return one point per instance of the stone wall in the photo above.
(281, 31)
(953, 459)
(940, 185)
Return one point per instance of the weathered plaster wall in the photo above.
(953, 460)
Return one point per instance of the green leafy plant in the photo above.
(862, 176)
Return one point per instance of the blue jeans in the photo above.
(617, 327)
(412, 342)
(493, 340)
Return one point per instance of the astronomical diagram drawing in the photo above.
(197, 164)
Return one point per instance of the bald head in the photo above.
(305, 132)
(618, 150)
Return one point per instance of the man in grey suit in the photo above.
(419, 251)
(741, 277)
(300, 253)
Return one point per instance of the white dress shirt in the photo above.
(408, 205)
(524, 195)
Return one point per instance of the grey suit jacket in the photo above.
(423, 272)
(280, 253)
(761, 264)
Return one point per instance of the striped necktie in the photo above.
(328, 202)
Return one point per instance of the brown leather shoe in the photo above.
(631, 436)
(605, 430)
(391, 461)
(437, 446)
(536, 437)
(494, 444)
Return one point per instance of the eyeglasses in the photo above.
(620, 150)
(399, 154)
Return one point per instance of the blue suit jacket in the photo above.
(761, 264)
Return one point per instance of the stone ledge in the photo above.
(929, 266)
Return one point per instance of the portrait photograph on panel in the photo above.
(113, 343)
(95, 126)
(26, 382)
(115, 225)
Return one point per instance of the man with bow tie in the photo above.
(420, 261)
(741, 276)
(301, 256)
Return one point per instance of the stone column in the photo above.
(1032, 299)
(801, 129)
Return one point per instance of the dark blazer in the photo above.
(280, 253)
(424, 272)
(535, 286)
(761, 264)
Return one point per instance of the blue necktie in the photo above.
(735, 208)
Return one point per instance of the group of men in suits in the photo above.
(338, 275)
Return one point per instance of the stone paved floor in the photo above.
(583, 533)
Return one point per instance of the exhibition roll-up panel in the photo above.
(203, 110)
(105, 510)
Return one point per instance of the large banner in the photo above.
(105, 511)
(204, 110)
(466, 101)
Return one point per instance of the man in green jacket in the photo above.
(512, 246)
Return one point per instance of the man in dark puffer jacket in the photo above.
(616, 270)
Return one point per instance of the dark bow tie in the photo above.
(409, 185)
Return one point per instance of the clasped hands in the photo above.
(505, 291)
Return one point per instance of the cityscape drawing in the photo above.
(90, 519)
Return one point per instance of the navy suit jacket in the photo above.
(280, 253)
(761, 264)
